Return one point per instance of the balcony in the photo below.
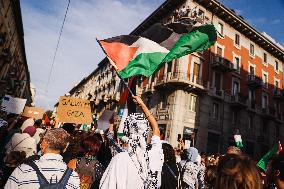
(221, 64)
(149, 88)
(2, 39)
(216, 93)
(238, 100)
(180, 80)
(264, 85)
(252, 105)
(254, 81)
(6, 55)
(268, 112)
(278, 93)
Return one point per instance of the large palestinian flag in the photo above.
(133, 55)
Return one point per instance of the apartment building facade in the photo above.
(235, 86)
(102, 87)
(14, 73)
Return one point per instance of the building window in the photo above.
(200, 14)
(276, 84)
(192, 103)
(265, 58)
(276, 66)
(265, 79)
(196, 72)
(170, 64)
(251, 49)
(237, 64)
(215, 110)
(236, 86)
(251, 94)
(251, 70)
(234, 117)
(221, 29)
(237, 40)
(217, 81)
(219, 51)
(163, 103)
(264, 100)
(250, 123)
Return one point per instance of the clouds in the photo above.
(78, 53)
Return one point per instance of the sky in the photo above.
(79, 53)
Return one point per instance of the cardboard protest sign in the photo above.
(13, 105)
(74, 110)
(103, 121)
(33, 112)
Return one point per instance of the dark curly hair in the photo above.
(169, 153)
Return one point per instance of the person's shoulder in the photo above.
(121, 156)
(23, 169)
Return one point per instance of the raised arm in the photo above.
(153, 123)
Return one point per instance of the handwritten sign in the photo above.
(33, 112)
(13, 105)
(74, 110)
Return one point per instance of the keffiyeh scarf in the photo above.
(136, 130)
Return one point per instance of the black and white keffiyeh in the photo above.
(136, 130)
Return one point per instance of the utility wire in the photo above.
(58, 41)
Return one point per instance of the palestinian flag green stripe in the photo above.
(198, 40)
(143, 64)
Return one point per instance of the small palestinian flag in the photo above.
(277, 149)
(133, 55)
(238, 140)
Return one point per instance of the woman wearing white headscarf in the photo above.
(138, 166)
(192, 171)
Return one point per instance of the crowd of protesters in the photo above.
(35, 155)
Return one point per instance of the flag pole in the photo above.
(126, 85)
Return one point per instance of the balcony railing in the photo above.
(238, 100)
(178, 79)
(254, 81)
(252, 104)
(268, 111)
(278, 93)
(221, 64)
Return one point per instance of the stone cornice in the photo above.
(238, 23)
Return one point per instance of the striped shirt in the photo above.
(51, 166)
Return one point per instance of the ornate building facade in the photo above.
(14, 73)
(235, 86)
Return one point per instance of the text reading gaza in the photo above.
(71, 102)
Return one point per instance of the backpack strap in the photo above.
(64, 179)
(41, 178)
(171, 171)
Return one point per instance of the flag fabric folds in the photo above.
(133, 55)
(277, 148)
(197, 40)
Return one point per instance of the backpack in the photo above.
(181, 182)
(177, 177)
(44, 184)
